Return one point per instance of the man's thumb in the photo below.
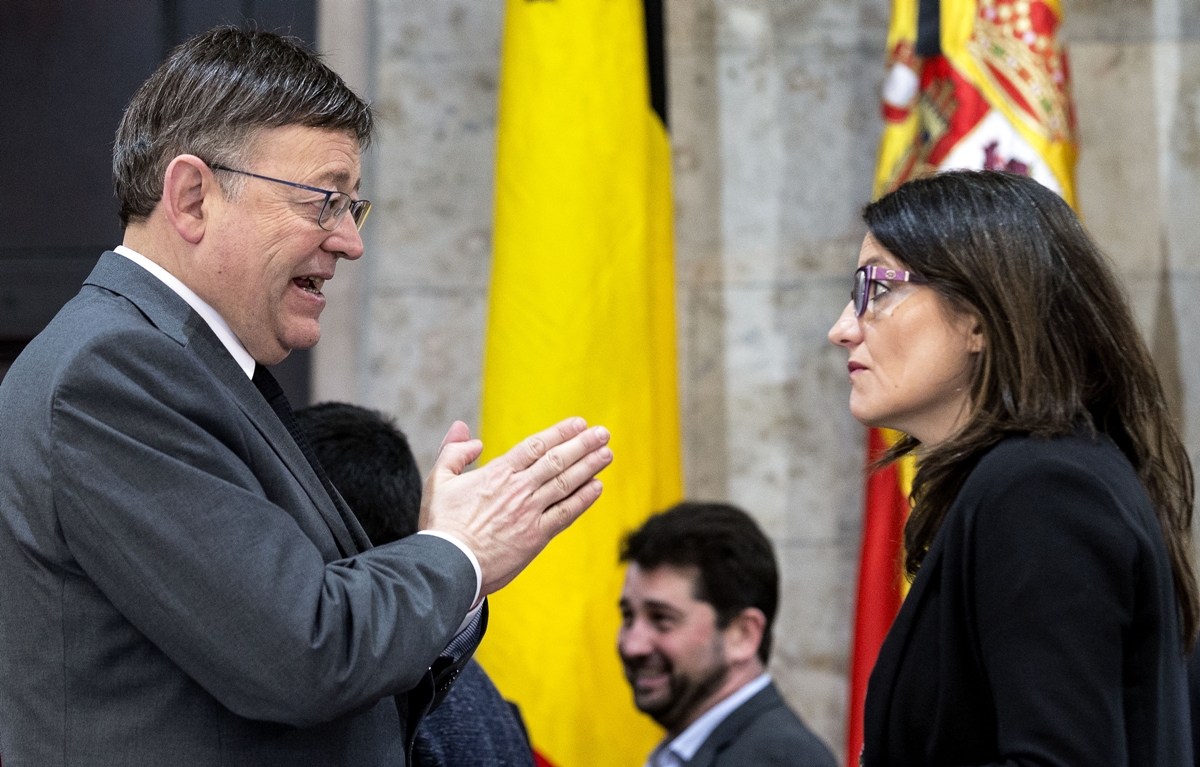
(458, 450)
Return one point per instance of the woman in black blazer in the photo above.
(1054, 598)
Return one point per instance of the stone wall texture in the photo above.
(774, 122)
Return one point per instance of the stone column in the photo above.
(408, 336)
(775, 128)
(345, 38)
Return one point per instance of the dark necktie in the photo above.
(273, 393)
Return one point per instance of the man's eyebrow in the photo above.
(337, 180)
(663, 606)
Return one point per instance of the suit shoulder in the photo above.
(1032, 462)
(100, 358)
(777, 736)
(94, 322)
(1037, 499)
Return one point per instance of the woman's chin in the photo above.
(866, 415)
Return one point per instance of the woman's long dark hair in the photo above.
(1060, 346)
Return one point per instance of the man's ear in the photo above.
(186, 184)
(744, 634)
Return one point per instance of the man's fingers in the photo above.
(558, 460)
(573, 477)
(560, 516)
(529, 450)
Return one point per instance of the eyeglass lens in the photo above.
(336, 207)
(860, 293)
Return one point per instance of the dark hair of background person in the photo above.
(734, 558)
(211, 96)
(370, 463)
(1061, 350)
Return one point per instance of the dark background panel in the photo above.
(67, 69)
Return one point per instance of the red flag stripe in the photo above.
(879, 592)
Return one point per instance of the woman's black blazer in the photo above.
(1042, 627)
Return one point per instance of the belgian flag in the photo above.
(582, 322)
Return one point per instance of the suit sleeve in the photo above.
(162, 511)
(1053, 577)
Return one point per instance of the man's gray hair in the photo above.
(212, 95)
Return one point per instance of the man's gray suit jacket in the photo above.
(176, 587)
(763, 732)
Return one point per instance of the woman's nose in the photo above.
(846, 330)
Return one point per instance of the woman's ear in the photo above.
(185, 185)
(975, 341)
(974, 329)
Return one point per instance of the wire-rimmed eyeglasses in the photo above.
(866, 276)
(335, 206)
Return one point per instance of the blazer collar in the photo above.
(172, 315)
(739, 719)
(161, 305)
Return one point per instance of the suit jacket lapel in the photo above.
(172, 315)
(276, 434)
(741, 717)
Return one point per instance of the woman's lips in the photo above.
(854, 366)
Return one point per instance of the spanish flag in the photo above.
(581, 322)
(977, 84)
(974, 84)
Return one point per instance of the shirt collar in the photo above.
(687, 743)
(206, 312)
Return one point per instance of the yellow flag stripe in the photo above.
(581, 322)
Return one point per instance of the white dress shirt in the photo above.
(242, 357)
(684, 746)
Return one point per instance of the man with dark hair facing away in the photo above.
(370, 463)
(699, 600)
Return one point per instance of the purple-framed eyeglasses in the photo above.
(864, 276)
(336, 203)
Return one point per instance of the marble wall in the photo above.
(1137, 89)
(775, 127)
(774, 120)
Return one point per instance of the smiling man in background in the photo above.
(182, 584)
(699, 600)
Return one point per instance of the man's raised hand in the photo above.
(508, 510)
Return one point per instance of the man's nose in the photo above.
(345, 240)
(634, 640)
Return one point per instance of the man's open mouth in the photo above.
(311, 284)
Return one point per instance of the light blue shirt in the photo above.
(684, 746)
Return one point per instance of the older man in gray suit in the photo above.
(181, 583)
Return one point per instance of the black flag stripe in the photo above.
(656, 57)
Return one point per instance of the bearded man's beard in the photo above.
(685, 692)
